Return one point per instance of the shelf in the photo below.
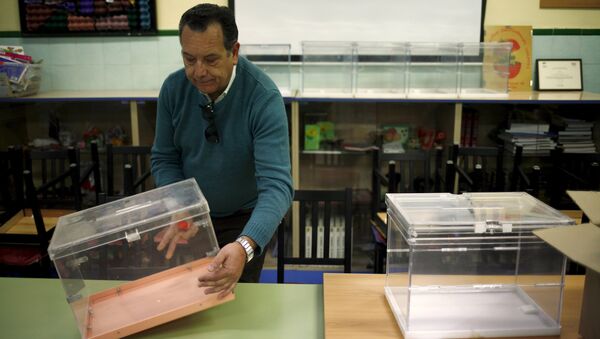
(152, 95)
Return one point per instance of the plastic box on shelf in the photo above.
(273, 59)
(469, 265)
(484, 70)
(118, 241)
(433, 70)
(19, 79)
(381, 69)
(327, 69)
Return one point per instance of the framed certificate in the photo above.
(559, 75)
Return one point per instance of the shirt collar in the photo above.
(226, 89)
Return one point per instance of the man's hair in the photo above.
(199, 17)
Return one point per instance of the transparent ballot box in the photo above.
(468, 265)
(381, 69)
(327, 68)
(484, 69)
(273, 59)
(433, 70)
(118, 241)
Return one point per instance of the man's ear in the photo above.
(235, 52)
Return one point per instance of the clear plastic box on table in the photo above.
(433, 70)
(273, 59)
(469, 265)
(118, 241)
(484, 69)
(327, 68)
(381, 69)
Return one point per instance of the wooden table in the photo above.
(355, 307)
(36, 308)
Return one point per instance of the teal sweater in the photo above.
(249, 167)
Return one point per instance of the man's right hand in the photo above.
(177, 232)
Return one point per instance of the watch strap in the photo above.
(247, 247)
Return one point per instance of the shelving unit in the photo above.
(356, 117)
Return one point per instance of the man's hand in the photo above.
(224, 271)
(176, 233)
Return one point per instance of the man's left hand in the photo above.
(224, 271)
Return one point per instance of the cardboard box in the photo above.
(582, 244)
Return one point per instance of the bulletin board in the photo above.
(87, 17)
(293, 21)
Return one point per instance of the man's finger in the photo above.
(226, 292)
(172, 245)
(166, 237)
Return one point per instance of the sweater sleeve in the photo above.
(273, 170)
(166, 156)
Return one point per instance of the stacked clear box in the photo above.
(273, 59)
(433, 70)
(381, 69)
(484, 69)
(327, 68)
(118, 241)
(469, 265)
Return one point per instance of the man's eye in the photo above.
(212, 61)
(189, 60)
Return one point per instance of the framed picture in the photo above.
(87, 18)
(559, 75)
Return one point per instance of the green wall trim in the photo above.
(566, 31)
(168, 32)
(10, 34)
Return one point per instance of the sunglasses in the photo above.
(210, 133)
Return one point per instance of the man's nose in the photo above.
(199, 69)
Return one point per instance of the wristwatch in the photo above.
(247, 247)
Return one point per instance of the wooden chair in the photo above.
(11, 182)
(92, 171)
(572, 171)
(139, 175)
(52, 170)
(24, 238)
(520, 179)
(408, 172)
(317, 207)
(479, 169)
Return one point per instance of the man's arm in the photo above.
(166, 157)
(273, 169)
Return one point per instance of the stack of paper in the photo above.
(577, 136)
(536, 139)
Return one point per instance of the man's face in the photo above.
(208, 65)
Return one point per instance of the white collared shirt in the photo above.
(226, 89)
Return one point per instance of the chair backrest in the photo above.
(52, 171)
(572, 171)
(11, 182)
(408, 172)
(92, 171)
(325, 219)
(479, 169)
(138, 159)
(522, 179)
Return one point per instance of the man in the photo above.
(222, 121)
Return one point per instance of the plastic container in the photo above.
(273, 59)
(484, 69)
(433, 70)
(381, 69)
(327, 69)
(19, 79)
(118, 241)
(461, 266)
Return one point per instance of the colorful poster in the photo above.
(519, 77)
